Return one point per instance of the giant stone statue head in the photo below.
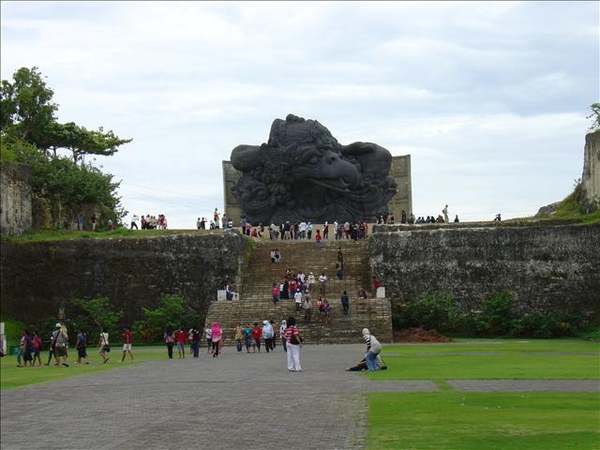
(303, 173)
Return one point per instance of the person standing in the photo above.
(216, 218)
(298, 300)
(318, 239)
(127, 344)
(134, 222)
(322, 283)
(293, 343)
(170, 341)
(445, 213)
(373, 349)
(238, 336)
(307, 306)
(256, 334)
(268, 335)
(216, 334)
(36, 342)
(207, 333)
(61, 341)
(25, 347)
(104, 346)
(180, 341)
(275, 293)
(195, 342)
(345, 302)
(81, 346)
(282, 328)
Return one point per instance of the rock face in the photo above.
(544, 267)
(132, 272)
(303, 173)
(590, 179)
(15, 196)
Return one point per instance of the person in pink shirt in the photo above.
(127, 343)
(216, 335)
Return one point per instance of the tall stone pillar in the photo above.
(400, 170)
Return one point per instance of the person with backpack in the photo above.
(104, 346)
(345, 302)
(25, 348)
(60, 338)
(373, 349)
(294, 342)
(81, 346)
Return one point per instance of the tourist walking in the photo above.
(345, 303)
(169, 341)
(293, 343)
(195, 345)
(36, 342)
(127, 344)
(216, 335)
(104, 346)
(207, 333)
(268, 335)
(61, 342)
(282, 328)
(180, 341)
(81, 346)
(238, 336)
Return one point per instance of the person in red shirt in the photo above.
(127, 342)
(256, 334)
(180, 340)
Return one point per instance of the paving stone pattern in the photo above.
(236, 401)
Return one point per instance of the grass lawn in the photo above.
(12, 376)
(446, 419)
(453, 420)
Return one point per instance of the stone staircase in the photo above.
(255, 301)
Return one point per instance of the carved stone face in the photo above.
(304, 173)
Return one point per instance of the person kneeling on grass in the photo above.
(373, 349)
(362, 365)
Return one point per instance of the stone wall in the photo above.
(590, 179)
(38, 277)
(15, 199)
(542, 266)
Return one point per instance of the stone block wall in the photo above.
(542, 266)
(38, 277)
(15, 199)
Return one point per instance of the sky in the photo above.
(489, 99)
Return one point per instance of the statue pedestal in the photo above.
(380, 292)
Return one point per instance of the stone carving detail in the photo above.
(303, 173)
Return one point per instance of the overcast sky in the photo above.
(489, 99)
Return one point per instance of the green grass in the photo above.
(453, 420)
(12, 376)
(493, 359)
(58, 235)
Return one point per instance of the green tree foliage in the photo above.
(595, 116)
(31, 135)
(26, 107)
(96, 313)
(173, 311)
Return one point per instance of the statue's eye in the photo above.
(311, 157)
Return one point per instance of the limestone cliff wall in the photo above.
(590, 179)
(15, 199)
(543, 266)
(38, 277)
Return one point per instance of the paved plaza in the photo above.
(236, 401)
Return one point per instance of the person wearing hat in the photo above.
(60, 339)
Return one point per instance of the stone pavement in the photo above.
(236, 401)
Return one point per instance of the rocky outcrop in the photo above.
(15, 199)
(590, 179)
(544, 267)
(39, 277)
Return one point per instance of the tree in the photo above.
(173, 311)
(98, 313)
(26, 107)
(82, 141)
(595, 116)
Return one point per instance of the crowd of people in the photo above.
(30, 347)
